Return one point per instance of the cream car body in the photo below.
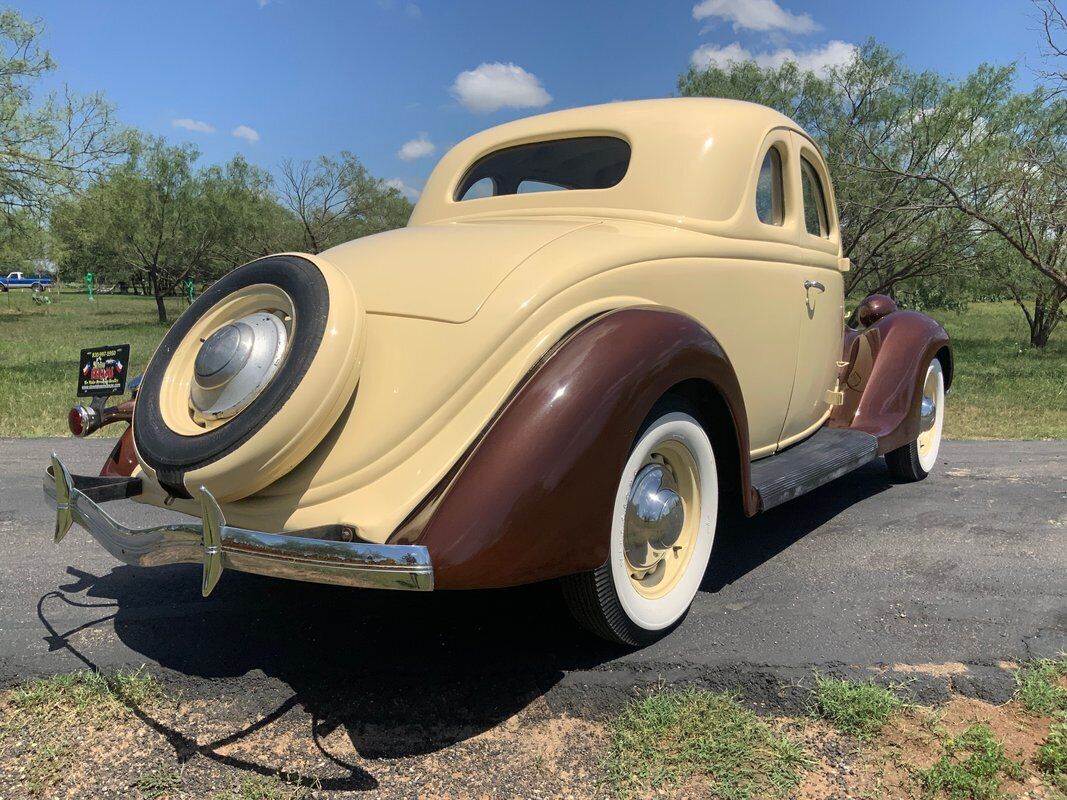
(530, 385)
(464, 301)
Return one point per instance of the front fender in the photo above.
(886, 367)
(533, 499)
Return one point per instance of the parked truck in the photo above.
(19, 280)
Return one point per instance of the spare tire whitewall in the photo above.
(235, 446)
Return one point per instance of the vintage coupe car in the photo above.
(599, 327)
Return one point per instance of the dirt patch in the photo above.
(211, 748)
(945, 670)
(532, 754)
(915, 741)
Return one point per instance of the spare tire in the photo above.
(250, 378)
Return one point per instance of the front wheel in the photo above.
(662, 532)
(915, 460)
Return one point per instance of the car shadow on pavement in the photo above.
(402, 673)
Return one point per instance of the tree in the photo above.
(158, 217)
(1007, 178)
(1054, 27)
(47, 146)
(336, 199)
(252, 221)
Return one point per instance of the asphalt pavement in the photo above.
(935, 584)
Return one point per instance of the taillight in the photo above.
(80, 419)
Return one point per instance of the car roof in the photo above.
(690, 158)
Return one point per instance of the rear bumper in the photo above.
(319, 555)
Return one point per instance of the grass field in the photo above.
(39, 347)
(1004, 389)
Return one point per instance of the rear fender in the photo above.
(884, 373)
(533, 499)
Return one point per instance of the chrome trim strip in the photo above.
(218, 546)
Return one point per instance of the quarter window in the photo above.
(769, 206)
(815, 219)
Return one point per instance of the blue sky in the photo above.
(298, 78)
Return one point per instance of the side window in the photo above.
(814, 200)
(769, 196)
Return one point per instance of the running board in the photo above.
(829, 454)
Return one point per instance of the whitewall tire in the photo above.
(662, 532)
(915, 460)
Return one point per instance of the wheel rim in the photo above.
(662, 519)
(178, 400)
(931, 416)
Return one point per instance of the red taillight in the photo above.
(78, 420)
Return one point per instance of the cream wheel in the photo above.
(661, 536)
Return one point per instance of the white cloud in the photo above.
(410, 192)
(246, 133)
(493, 86)
(819, 60)
(416, 148)
(756, 15)
(413, 11)
(193, 125)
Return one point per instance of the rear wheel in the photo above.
(915, 460)
(662, 532)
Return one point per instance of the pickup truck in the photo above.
(19, 280)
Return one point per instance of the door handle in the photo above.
(808, 285)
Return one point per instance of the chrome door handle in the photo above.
(808, 285)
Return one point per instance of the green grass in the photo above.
(46, 710)
(1052, 757)
(265, 787)
(39, 347)
(86, 695)
(668, 738)
(1039, 686)
(1004, 389)
(858, 709)
(973, 767)
(159, 782)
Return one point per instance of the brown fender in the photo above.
(123, 460)
(534, 498)
(886, 367)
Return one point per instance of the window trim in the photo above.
(778, 203)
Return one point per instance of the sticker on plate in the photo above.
(102, 371)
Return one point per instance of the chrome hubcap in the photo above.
(928, 411)
(235, 363)
(223, 355)
(655, 516)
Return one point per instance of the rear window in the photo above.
(585, 162)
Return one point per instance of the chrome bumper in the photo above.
(302, 556)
